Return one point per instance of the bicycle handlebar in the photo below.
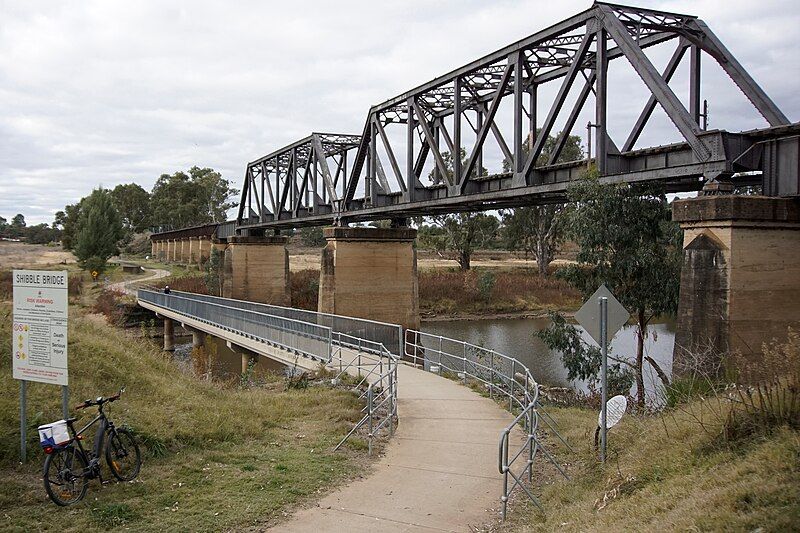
(100, 400)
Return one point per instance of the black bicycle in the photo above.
(69, 467)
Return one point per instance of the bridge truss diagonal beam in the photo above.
(417, 131)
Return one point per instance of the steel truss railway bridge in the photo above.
(333, 179)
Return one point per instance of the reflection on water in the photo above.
(516, 338)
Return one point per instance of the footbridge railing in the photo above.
(390, 335)
(504, 378)
(368, 365)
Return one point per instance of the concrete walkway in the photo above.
(126, 286)
(439, 471)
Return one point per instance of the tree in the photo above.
(133, 204)
(312, 237)
(462, 232)
(68, 221)
(628, 241)
(538, 229)
(200, 197)
(17, 227)
(41, 234)
(3, 226)
(99, 231)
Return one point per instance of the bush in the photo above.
(304, 286)
(486, 282)
(108, 304)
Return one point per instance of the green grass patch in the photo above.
(215, 457)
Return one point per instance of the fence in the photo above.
(502, 376)
(390, 335)
(373, 366)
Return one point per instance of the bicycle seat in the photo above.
(71, 419)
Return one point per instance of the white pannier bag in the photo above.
(54, 435)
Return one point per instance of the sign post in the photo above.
(602, 316)
(39, 340)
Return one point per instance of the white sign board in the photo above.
(588, 316)
(615, 409)
(39, 335)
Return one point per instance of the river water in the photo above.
(516, 337)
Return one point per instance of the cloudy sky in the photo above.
(97, 93)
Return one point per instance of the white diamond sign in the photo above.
(588, 316)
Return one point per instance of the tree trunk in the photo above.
(542, 257)
(463, 259)
(640, 334)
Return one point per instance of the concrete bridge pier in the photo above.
(740, 280)
(257, 269)
(169, 335)
(370, 273)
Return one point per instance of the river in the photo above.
(516, 337)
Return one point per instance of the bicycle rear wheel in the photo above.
(64, 478)
(122, 455)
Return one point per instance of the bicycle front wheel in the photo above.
(64, 476)
(122, 455)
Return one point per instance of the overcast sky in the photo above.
(99, 93)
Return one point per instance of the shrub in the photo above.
(108, 304)
(304, 286)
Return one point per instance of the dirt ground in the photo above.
(301, 258)
(23, 255)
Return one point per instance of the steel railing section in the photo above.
(390, 335)
(374, 369)
(295, 336)
(370, 362)
(502, 376)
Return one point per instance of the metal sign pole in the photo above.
(22, 421)
(65, 401)
(603, 375)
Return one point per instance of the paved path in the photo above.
(125, 286)
(439, 471)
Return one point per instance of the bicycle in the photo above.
(69, 467)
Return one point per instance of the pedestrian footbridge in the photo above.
(452, 453)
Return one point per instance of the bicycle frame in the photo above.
(106, 426)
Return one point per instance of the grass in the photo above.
(667, 473)
(215, 458)
(492, 291)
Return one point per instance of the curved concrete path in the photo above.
(125, 286)
(438, 473)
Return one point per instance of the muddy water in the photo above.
(516, 338)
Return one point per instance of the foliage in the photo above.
(539, 229)
(486, 283)
(463, 233)
(133, 204)
(201, 196)
(213, 272)
(628, 241)
(19, 229)
(68, 221)
(304, 287)
(582, 360)
(312, 237)
(99, 231)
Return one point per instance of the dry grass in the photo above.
(304, 288)
(520, 289)
(216, 458)
(684, 469)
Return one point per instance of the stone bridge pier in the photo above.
(257, 269)
(370, 273)
(740, 280)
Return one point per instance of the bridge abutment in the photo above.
(370, 273)
(740, 280)
(257, 269)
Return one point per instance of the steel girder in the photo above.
(434, 117)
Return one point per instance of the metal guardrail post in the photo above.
(511, 385)
(369, 412)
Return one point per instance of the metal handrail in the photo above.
(510, 378)
(378, 370)
(390, 335)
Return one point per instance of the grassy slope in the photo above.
(216, 458)
(670, 474)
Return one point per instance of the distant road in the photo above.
(125, 286)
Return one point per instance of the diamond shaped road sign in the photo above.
(588, 316)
